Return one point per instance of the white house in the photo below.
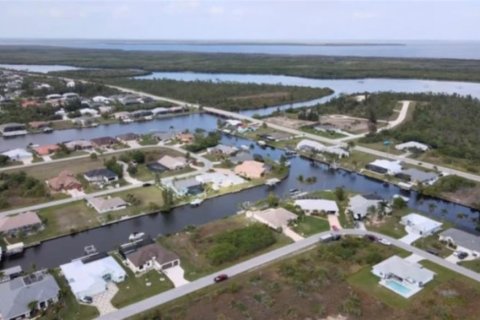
(359, 205)
(88, 112)
(412, 145)
(220, 179)
(18, 154)
(401, 276)
(421, 225)
(312, 206)
(309, 145)
(275, 218)
(391, 167)
(463, 241)
(102, 205)
(89, 276)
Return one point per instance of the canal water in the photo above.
(55, 252)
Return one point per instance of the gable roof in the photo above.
(317, 204)
(103, 172)
(64, 180)
(18, 293)
(151, 251)
(404, 269)
(21, 220)
(250, 169)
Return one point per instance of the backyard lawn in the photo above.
(310, 225)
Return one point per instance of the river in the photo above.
(55, 252)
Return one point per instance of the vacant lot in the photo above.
(330, 280)
(193, 245)
(289, 122)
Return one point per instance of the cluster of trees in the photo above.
(114, 166)
(230, 96)
(13, 112)
(449, 124)
(19, 185)
(308, 114)
(203, 141)
(448, 184)
(4, 160)
(231, 245)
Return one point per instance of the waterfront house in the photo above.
(89, 112)
(64, 181)
(147, 255)
(421, 225)
(18, 294)
(314, 146)
(185, 137)
(417, 176)
(316, 206)
(188, 186)
(275, 218)
(127, 137)
(12, 129)
(46, 149)
(38, 124)
(18, 154)
(221, 178)
(359, 205)
(250, 169)
(100, 176)
(20, 223)
(78, 145)
(391, 167)
(222, 150)
(102, 205)
(89, 276)
(103, 142)
(173, 163)
(461, 241)
(401, 276)
(241, 156)
(163, 136)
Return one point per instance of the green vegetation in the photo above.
(388, 224)
(309, 225)
(136, 288)
(472, 265)
(308, 66)
(202, 141)
(450, 183)
(18, 188)
(231, 245)
(230, 96)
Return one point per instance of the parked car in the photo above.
(220, 278)
(460, 254)
(433, 251)
(86, 299)
(384, 242)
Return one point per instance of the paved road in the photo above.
(266, 258)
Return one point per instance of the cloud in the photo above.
(216, 10)
(364, 15)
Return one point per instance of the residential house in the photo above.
(101, 99)
(141, 114)
(421, 225)
(89, 276)
(103, 142)
(316, 206)
(462, 241)
(70, 96)
(122, 115)
(89, 112)
(64, 181)
(20, 223)
(18, 294)
(127, 137)
(102, 205)
(100, 176)
(250, 169)
(46, 149)
(241, 156)
(84, 121)
(173, 163)
(314, 146)
(105, 109)
(18, 154)
(412, 145)
(220, 179)
(275, 218)
(189, 186)
(390, 167)
(417, 176)
(38, 124)
(185, 137)
(13, 129)
(359, 205)
(78, 145)
(401, 276)
(222, 150)
(142, 257)
(163, 136)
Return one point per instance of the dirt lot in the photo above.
(467, 196)
(289, 122)
(346, 123)
(316, 285)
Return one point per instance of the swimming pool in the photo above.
(399, 288)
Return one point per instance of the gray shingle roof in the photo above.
(462, 239)
(18, 293)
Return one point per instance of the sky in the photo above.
(247, 20)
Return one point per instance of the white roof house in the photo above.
(401, 276)
(18, 154)
(273, 217)
(338, 150)
(102, 205)
(87, 277)
(317, 205)
(463, 241)
(421, 225)
(358, 205)
(391, 167)
(173, 163)
(220, 179)
(412, 145)
(88, 111)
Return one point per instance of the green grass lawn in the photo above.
(326, 134)
(310, 225)
(472, 265)
(136, 288)
(68, 308)
(432, 242)
(390, 224)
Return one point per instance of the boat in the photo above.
(196, 202)
(136, 236)
(15, 248)
(245, 147)
(262, 143)
(90, 249)
(47, 130)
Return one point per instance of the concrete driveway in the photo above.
(102, 301)
(410, 238)
(333, 221)
(176, 275)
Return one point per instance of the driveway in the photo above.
(291, 234)
(410, 238)
(102, 300)
(414, 258)
(176, 275)
(333, 221)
